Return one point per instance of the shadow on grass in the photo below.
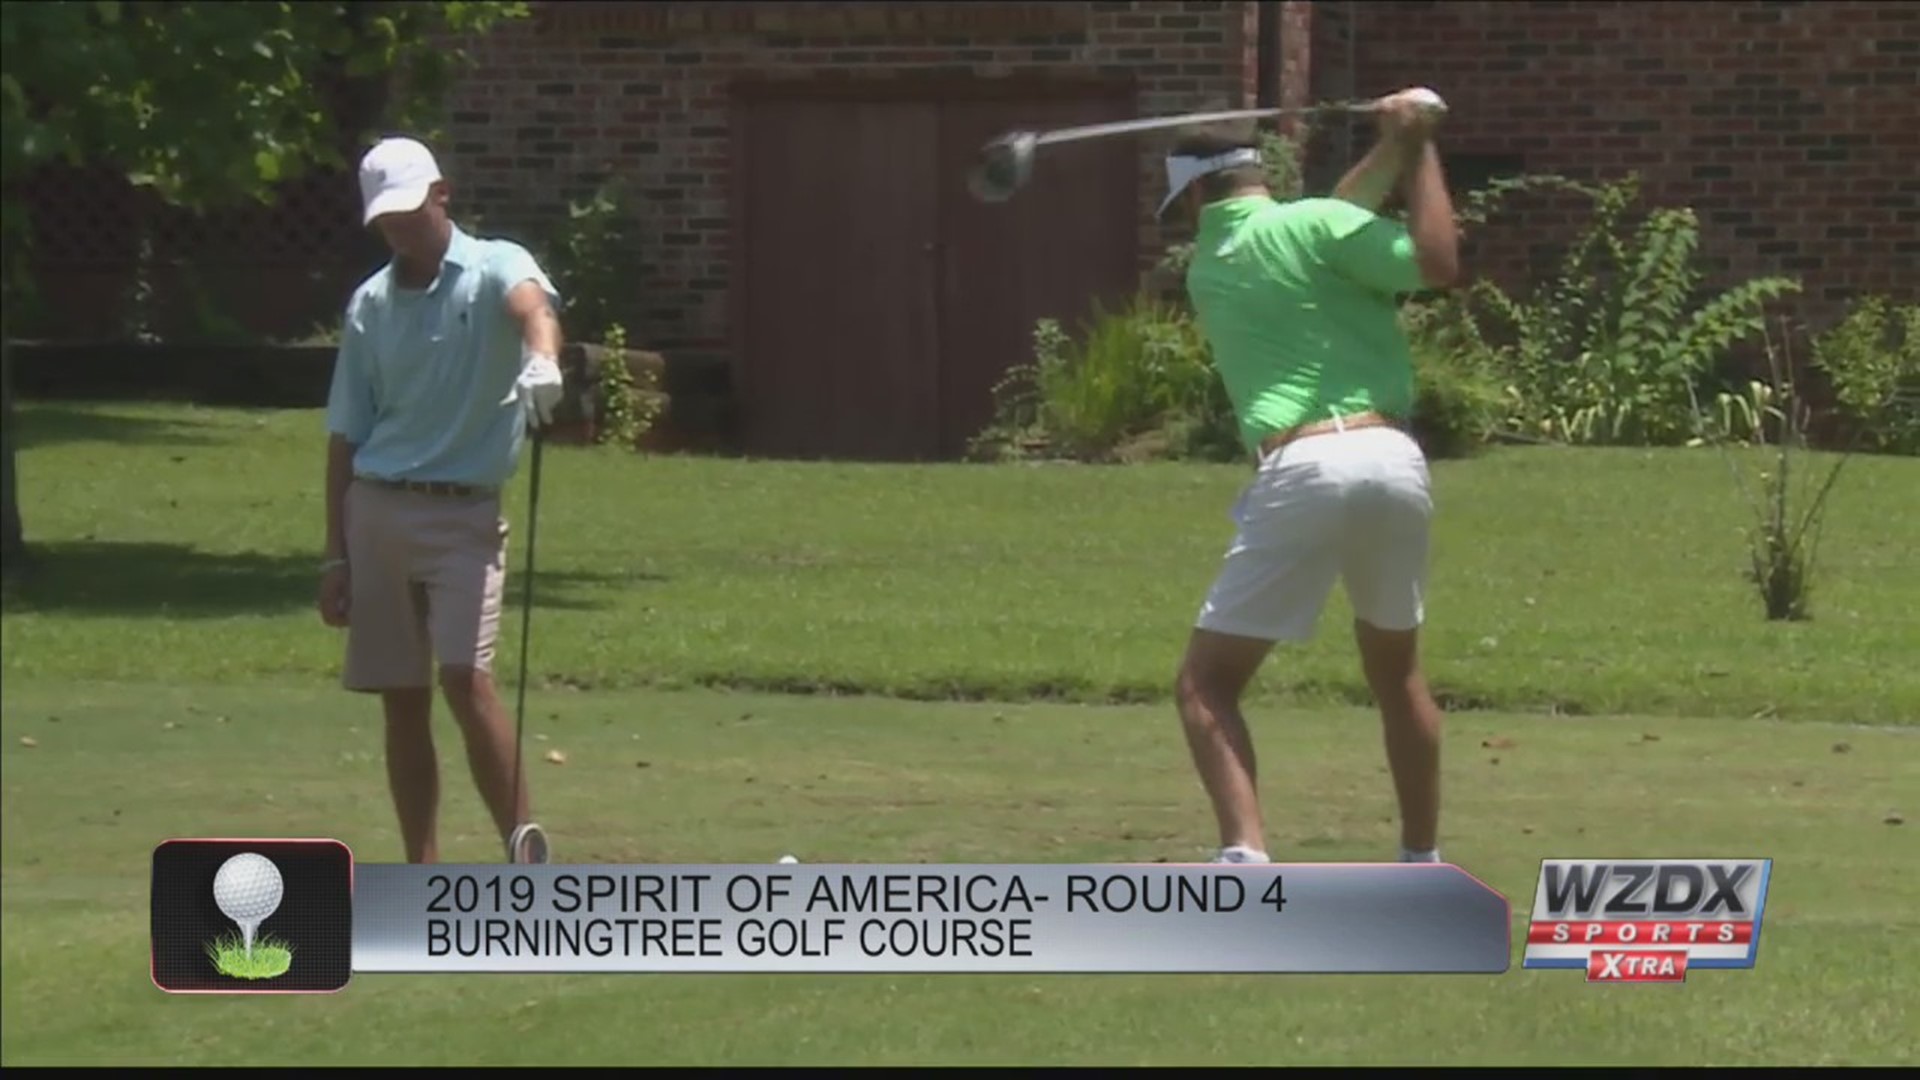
(173, 581)
(38, 424)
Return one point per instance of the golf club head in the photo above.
(1003, 168)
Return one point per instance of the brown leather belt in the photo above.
(1356, 422)
(428, 487)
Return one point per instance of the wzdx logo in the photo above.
(1647, 920)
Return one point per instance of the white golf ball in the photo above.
(248, 888)
(788, 859)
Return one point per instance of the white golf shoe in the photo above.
(1240, 853)
(528, 844)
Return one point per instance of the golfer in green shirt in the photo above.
(1298, 303)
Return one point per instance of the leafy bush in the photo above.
(1458, 397)
(1764, 430)
(1611, 349)
(625, 410)
(1137, 381)
(1872, 359)
(592, 259)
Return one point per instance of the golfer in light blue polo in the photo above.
(447, 357)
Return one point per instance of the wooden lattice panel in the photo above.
(275, 269)
(312, 218)
(82, 218)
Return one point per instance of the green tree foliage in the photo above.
(202, 103)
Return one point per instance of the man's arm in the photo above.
(1368, 183)
(540, 384)
(350, 416)
(1388, 257)
(1405, 123)
(530, 299)
(531, 306)
(1430, 220)
(339, 475)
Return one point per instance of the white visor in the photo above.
(1182, 171)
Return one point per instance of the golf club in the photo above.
(526, 831)
(1006, 163)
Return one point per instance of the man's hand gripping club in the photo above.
(540, 385)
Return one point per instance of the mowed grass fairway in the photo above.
(1618, 695)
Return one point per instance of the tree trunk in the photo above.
(12, 540)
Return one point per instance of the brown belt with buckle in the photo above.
(1356, 422)
(428, 487)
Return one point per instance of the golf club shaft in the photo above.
(526, 620)
(1124, 127)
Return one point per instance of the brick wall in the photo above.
(587, 87)
(1245, 42)
(1793, 129)
(1296, 59)
(1330, 77)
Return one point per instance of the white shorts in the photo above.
(1354, 505)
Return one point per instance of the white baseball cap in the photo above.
(1183, 171)
(395, 177)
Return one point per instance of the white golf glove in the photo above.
(539, 389)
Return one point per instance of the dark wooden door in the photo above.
(840, 356)
(877, 304)
(1066, 240)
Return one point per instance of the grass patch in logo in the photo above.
(269, 958)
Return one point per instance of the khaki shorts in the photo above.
(1352, 507)
(426, 575)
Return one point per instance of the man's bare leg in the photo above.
(413, 770)
(1411, 722)
(1213, 676)
(491, 743)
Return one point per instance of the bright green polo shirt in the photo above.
(1297, 300)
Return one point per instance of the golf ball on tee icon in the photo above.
(248, 890)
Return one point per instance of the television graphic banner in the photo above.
(300, 916)
(1113, 918)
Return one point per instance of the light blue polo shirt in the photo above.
(424, 380)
